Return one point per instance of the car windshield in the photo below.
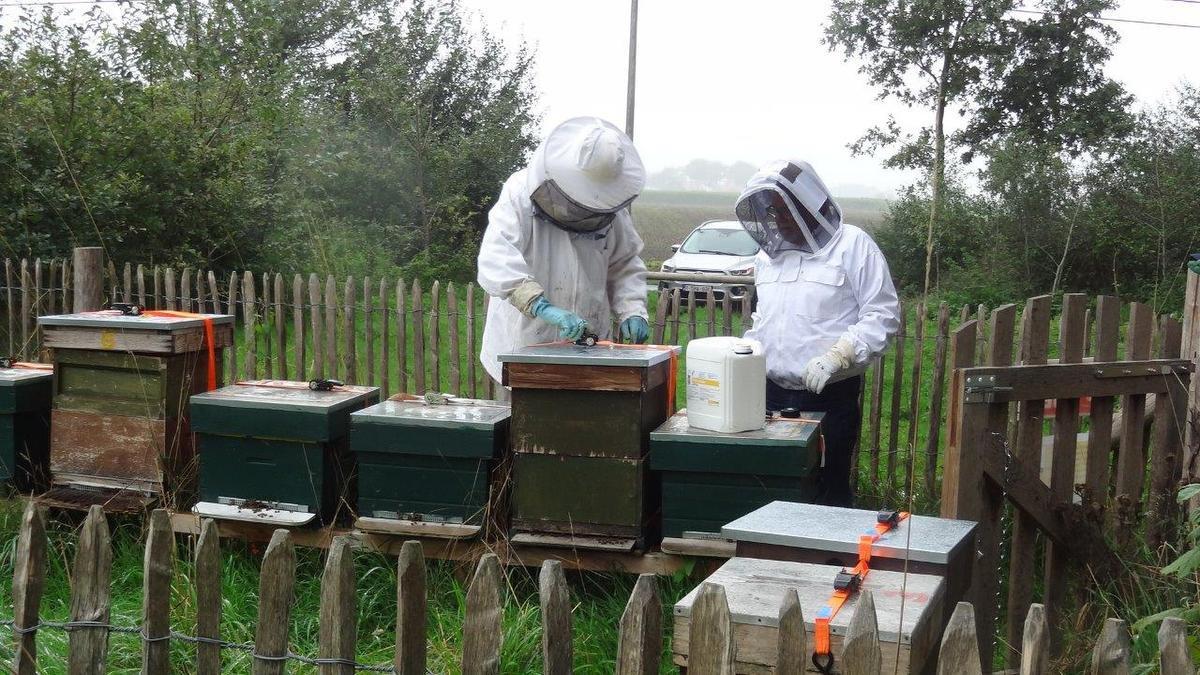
(722, 241)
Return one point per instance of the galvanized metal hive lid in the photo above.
(797, 432)
(571, 354)
(114, 319)
(835, 529)
(284, 395)
(10, 377)
(462, 413)
(755, 588)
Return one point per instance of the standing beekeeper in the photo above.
(826, 304)
(560, 250)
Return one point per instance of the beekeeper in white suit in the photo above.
(560, 251)
(826, 304)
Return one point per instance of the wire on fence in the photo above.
(193, 639)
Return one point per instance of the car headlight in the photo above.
(744, 272)
(668, 267)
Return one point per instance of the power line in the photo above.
(1190, 2)
(46, 3)
(1114, 19)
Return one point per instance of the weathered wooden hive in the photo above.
(581, 423)
(277, 451)
(710, 478)
(428, 469)
(120, 414)
(830, 535)
(25, 394)
(755, 591)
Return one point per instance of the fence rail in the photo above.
(639, 648)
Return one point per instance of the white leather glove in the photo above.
(821, 368)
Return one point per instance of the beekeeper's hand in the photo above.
(635, 329)
(570, 326)
(821, 368)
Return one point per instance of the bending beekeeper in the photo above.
(826, 304)
(560, 250)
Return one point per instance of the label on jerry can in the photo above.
(703, 388)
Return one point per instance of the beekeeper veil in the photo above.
(585, 172)
(786, 207)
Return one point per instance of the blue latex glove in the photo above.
(570, 327)
(635, 330)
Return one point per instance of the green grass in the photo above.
(597, 599)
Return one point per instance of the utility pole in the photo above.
(633, 15)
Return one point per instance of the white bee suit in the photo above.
(598, 275)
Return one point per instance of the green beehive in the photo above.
(581, 421)
(710, 478)
(276, 452)
(25, 426)
(427, 469)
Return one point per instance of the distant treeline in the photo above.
(328, 135)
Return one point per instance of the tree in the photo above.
(972, 54)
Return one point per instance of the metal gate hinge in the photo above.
(983, 389)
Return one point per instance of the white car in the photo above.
(719, 248)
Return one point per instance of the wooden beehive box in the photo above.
(428, 469)
(25, 426)
(829, 534)
(276, 451)
(581, 423)
(710, 478)
(120, 414)
(755, 590)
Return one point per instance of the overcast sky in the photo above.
(750, 80)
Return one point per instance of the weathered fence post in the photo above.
(276, 586)
(314, 301)
(1099, 445)
(1035, 646)
(639, 644)
(410, 610)
(482, 630)
(1173, 655)
(339, 609)
(349, 359)
(793, 642)
(1111, 656)
(1166, 456)
(90, 602)
(555, 602)
(861, 654)
(29, 580)
(959, 653)
(208, 598)
(89, 279)
(1131, 461)
(156, 595)
(937, 393)
(710, 633)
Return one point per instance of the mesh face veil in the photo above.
(555, 205)
(786, 207)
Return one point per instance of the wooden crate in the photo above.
(120, 414)
(829, 535)
(269, 446)
(430, 468)
(581, 423)
(711, 478)
(25, 427)
(755, 590)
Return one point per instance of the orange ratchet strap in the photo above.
(209, 338)
(847, 583)
(29, 365)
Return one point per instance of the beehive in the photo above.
(829, 534)
(276, 451)
(428, 469)
(120, 415)
(755, 590)
(710, 478)
(25, 426)
(581, 423)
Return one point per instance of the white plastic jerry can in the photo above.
(726, 384)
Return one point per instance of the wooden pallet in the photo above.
(440, 548)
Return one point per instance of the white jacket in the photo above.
(597, 276)
(807, 301)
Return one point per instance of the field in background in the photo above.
(665, 217)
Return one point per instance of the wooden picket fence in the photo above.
(641, 633)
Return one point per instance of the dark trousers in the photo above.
(840, 427)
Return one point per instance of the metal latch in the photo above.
(7, 361)
(126, 308)
(847, 581)
(983, 389)
(324, 385)
(887, 517)
(588, 339)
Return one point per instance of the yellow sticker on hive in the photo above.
(108, 339)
